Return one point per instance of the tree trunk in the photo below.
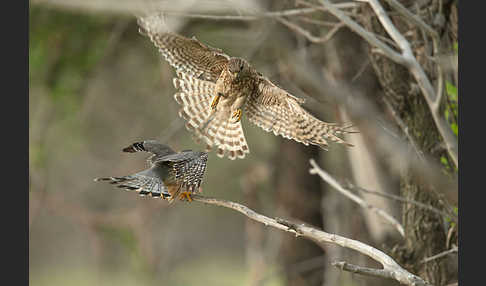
(424, 230)
(299, 195)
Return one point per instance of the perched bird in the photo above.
(215, 88)
(170, 175)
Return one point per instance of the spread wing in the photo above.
(277, 111)
(187, 169)
(187, 55)
(151, 146)
(169, 174)
(151, 181)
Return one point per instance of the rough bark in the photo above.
(424, 231)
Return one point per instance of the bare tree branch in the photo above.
(452, 216)
(361, 270)
(404, 128)
(412, 17)
(331, 181)
(317, 22)
(371, 120)
(407, 59)
(442, 254)
(255, 16)
(391, 269)
(252, 17)
(433, 98)
(368, 36)
(299, 30)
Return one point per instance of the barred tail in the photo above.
(216, 130)
(144, 185)
(228, 137)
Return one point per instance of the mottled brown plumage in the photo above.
(214, 88)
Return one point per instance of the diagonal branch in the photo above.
(299, 30)
(331, 181)
(442, 254)
(254, 16)
(343, 265)
(412, 17)
(451, 216)
(432, 97)
(391, 269)
(407, 59)
(249, 17)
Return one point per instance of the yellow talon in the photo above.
(185, 195)
(236, 115)
(215, 101)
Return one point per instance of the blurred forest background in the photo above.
(97, 85)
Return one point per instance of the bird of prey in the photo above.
(214, 89)
(170, 175)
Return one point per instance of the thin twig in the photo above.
(252, 17)
(431, 96)
(255, 16)
(391, 269)
(412, 17)
(361, 70)
(407, 59)
(444, 253)
(355, 27)
(317, 22)
(299, 30)
(404, 200)
(404, 128)
(360, 269)
(331, 181)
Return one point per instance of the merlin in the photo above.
(214, 89)
(170, 175)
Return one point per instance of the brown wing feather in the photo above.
(189, 56)
(275, 110)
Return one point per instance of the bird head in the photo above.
(238, 67)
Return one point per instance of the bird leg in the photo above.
(216, 100)
(236, 115)
(185, 195)
(236, 107)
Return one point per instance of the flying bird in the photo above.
(214, 89)
(170, 175)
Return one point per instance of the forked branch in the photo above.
(391, 269)
(406, 58)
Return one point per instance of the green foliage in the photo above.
(448, 219)
(451, 112)
(63, 49)
(451, 91)
(445, 162)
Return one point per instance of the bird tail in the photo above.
(227, 137)
(143, 185)
(216, 130)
